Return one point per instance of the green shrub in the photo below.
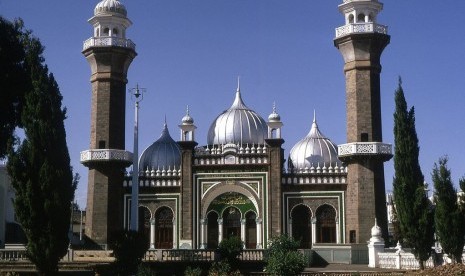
(282, 257)
(229, 249)
(193, 271)
(129, 248)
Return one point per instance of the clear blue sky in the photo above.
(190, 53)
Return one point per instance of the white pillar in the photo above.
(289, 223)
(259, 233)
(313, 231)
(243, 232)
(175, 234)
(220, 230)
(203, 233)
(338, 233)
(152, 233)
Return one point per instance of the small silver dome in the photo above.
(110, 6)
(313, 151)
(187, 119)
(164, 153)
(238, 125)
(274, 116)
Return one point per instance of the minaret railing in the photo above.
(108, 41)
(353, 28)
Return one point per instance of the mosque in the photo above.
(193, 196)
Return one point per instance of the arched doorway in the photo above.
(301, 226)
(164, 228)
(231, 222)
(212, 230)
(250, 230)
(326, 224)
(144, 222)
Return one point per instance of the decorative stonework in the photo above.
(108, 42)
(102, 155)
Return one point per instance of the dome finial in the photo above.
(274, 107)
(314, 116)
(238, 84)
(187, 110)
(165, 122)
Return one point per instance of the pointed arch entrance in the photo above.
(250, 230)
(301, 226)
(144, 222)
(212, 230)
(164, 228)
(326, 224)
(231, 222)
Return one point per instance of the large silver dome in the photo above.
(164, 153)
(315, 150)
(110, 6)
(238, 125)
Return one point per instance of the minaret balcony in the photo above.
(356, 150)
(106, 155)
(365, 27)
(108, 41)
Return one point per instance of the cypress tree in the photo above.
(449, 219)
(414, 212)
(12, 78)
(39, 166)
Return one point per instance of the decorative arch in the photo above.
(212, 229)
(145, 215)
(326, 224)
(301, 216)
(218, 190)
(232, 217)
(250, 229)
(164, 217)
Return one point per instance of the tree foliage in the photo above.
(282, 257)
(39, 165)
(13, 79)
(448, 216)
(129, 249)
(414, 212)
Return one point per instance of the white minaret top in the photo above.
(360, 17)
(110, 22)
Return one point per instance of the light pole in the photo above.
(137, 96)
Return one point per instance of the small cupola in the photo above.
(187, 127)
(274, 124)
(110, 19)
(360, 17)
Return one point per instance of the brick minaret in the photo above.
(361, 41)
(109, 54)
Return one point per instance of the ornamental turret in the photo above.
(360, 17)
(109, 54)
(361, 41)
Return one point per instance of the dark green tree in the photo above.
(414, 212)
(282, 257)
(448, 217)
(13, 79)
(39, 165)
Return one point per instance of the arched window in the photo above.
(144, 222)
(326, 224)
(250, 230)
(212, 230)
(351, 18)
(106, 31)
(164, 228)
(115, 32)
(370, 17)
(231, 222)
(360, 18)
(301, 226)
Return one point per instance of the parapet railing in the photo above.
(108, 41)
